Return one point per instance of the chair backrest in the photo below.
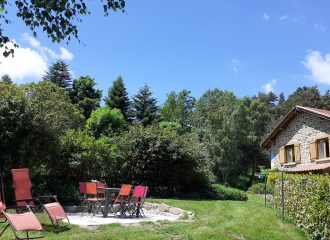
(140, 191)
(125, 190)
(82, 187)
(22, 185)
(100, 185)
(91, 188)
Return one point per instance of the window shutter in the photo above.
(329, 142)
(297, 152)
(313, 149)
(282, 155)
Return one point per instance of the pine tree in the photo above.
(59, 74)
(85, 95)
(145, 110)
(118, 98)
(6, 79)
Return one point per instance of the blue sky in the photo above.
(241, 46)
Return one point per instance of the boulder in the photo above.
(175, 211)
(164, 207)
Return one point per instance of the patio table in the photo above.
(108, 194)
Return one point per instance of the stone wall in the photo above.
(302, 129)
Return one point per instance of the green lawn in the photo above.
(213, 220)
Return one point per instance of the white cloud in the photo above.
(26, 63)
(320, 27)
(32, 61)
(269, 87)
(283, 17)
(319, 66)
(265, 17)
(235, 64)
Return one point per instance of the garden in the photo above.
(203, 151)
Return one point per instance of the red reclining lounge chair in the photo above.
(22, 188)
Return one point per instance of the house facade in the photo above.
(300, 142)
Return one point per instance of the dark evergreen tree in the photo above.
(6, 79)
(85, 95)
(145, 108)
(326, 100)
(59, 73)
(118, 98)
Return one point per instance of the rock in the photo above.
(147, 205)
(73, 209)
(163, 207)
(155, 206)
(175, 211)
(190, 213)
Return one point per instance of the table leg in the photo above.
(107, 203)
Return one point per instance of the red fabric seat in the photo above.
(55, 211)
(24, 222)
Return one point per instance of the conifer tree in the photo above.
(59, 73)
(145, 110)
(118, 98)
(85, 95)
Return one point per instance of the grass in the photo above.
(213, 220)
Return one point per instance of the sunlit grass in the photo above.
(213, 220)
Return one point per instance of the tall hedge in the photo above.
(307, 200)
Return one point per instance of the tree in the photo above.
(144, 106)
(179, 108)
(220, 123)
(326, 100)
(59, 73)
(304, 96)
(105, 122)
(56, 18)
(6, 79)
(118, 98)
(33, 117)
(163, 160)
(85, 95)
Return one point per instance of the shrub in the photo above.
(105, 122)
(221, 192)
(259, 188)
(169, 163)
(307, 200)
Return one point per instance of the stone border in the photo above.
(149, 207)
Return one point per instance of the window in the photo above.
(323, 148)
(319, 148)
(289, 154)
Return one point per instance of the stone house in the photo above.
(300, 142)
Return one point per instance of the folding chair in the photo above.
(138, 198)
(93, 197)
(22, 222)
(22, 186)
(123, 199)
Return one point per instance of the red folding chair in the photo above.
(123, 199)
(138, 198)
(22, 187)
(94, 197)
(22, 222)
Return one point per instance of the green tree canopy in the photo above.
(105, 122)
(59, 73)
(179, 108)
(32, 118)
(145, 110)
(6, 79)
(304, 96)
(85, 95)
(118, 98)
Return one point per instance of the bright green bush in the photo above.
(259, 188)
(221, 192)
(105, 122)
(307, 200)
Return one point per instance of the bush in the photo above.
(307, 200)
(169, 163)
(259, 188)
(221, 192)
